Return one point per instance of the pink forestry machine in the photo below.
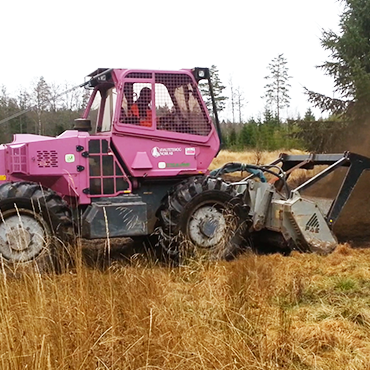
(136, 165)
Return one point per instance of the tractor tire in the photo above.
(202, 217)
(34, 225)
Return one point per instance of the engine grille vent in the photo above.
(47, 158)
(18, 159)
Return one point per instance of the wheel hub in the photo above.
(207, 226)
(18, 238)
(22, 236)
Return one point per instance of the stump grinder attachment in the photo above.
(280, 217)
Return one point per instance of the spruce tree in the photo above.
(349, 63)
(218, 89)
(277, 88)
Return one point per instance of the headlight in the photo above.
(200, 73)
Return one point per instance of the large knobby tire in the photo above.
(35, 224)
(202, 216)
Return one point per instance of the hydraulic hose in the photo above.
(255, 170)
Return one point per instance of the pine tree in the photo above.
(277, 90)
(218, 89)
(308, 116)
(349, 63)
(232, 139)
(247, 137)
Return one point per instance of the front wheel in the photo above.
(202, 217)
(34, 224)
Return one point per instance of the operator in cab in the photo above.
(141, 108)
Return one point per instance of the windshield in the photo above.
(102, 109)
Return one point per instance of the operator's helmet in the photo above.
(146, 94)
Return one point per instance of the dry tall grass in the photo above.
(258, 312)
(253, 157)
(260, 158)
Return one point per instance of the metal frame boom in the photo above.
(356, 164)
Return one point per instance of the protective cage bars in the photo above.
(106, 174)
(175, 103)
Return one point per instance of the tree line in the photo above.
(43, 109)
(50, 111)
(268, 131)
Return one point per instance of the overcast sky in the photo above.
(65, 40)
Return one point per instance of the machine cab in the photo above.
(151, 116)
(154, 101)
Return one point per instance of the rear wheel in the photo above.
(34, 225)
(202, 217)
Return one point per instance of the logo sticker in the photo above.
(157, 152)
(313, 225)
(70, 158)
(161, 165)
(177, 165)
(189, 151)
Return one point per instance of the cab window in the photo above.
(102, 110)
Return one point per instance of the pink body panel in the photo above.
(151, 157)
(51, 161)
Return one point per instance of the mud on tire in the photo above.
(202, 216)
(34, 225)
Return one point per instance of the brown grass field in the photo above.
(303, 311)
